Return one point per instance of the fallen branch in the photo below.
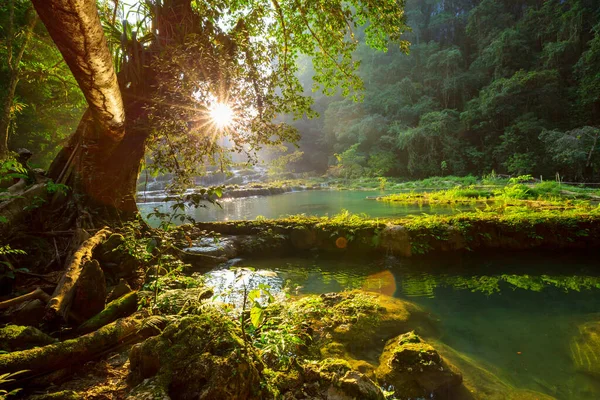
(60, 303)
(75, 351)
(38, 294)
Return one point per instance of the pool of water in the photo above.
(309, 202)
(516, 313)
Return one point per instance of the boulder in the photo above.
(415, 369)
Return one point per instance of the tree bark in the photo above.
(74, 26)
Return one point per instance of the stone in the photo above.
(358, 386)
(14, 337)
(415, 369)
(90, 293)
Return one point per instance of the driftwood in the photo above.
(75, 351)
(118, 308)
(60, 303)
(36, 294)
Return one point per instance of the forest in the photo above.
(504, 86)
(286, 199)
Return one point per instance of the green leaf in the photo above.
(257, 315)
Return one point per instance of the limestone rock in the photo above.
(414, 368)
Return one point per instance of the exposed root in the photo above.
(60, 303)
(36, 294)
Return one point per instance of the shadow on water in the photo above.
(517, 313)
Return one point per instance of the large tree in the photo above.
(191, 56)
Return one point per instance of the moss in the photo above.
(14, 337)
(199, 354)
(62, 395)
(119, 308)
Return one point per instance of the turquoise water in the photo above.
(515, 313)
(310, 202)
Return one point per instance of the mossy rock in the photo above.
(198, 357)
(330, 378)
(355, 325)
(585, 348)
(14, 337)
(415, 369)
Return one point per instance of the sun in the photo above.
(222, 115)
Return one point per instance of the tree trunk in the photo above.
(102, 159)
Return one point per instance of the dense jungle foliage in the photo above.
(506, 85)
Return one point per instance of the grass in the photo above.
(548, 194)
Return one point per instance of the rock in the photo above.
(415, 369)
(198, 357)
(90, 293)
(395, 238)
(358, 386)
(585, 348)
(14, 337)
(221, 247)
(30, 313)
(121, 289)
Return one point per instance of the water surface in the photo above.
(516, 313)
(309, 202)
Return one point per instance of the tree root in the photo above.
(60, 303)
(61, 355)
(36, 294)
(118, 308)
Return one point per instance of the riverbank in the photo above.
(510, 228)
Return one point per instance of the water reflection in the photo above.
(518, 313)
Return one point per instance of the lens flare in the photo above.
(222, 115)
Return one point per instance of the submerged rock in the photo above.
(480, 381)
(14, 337)
(585, 348)
(414, 368)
